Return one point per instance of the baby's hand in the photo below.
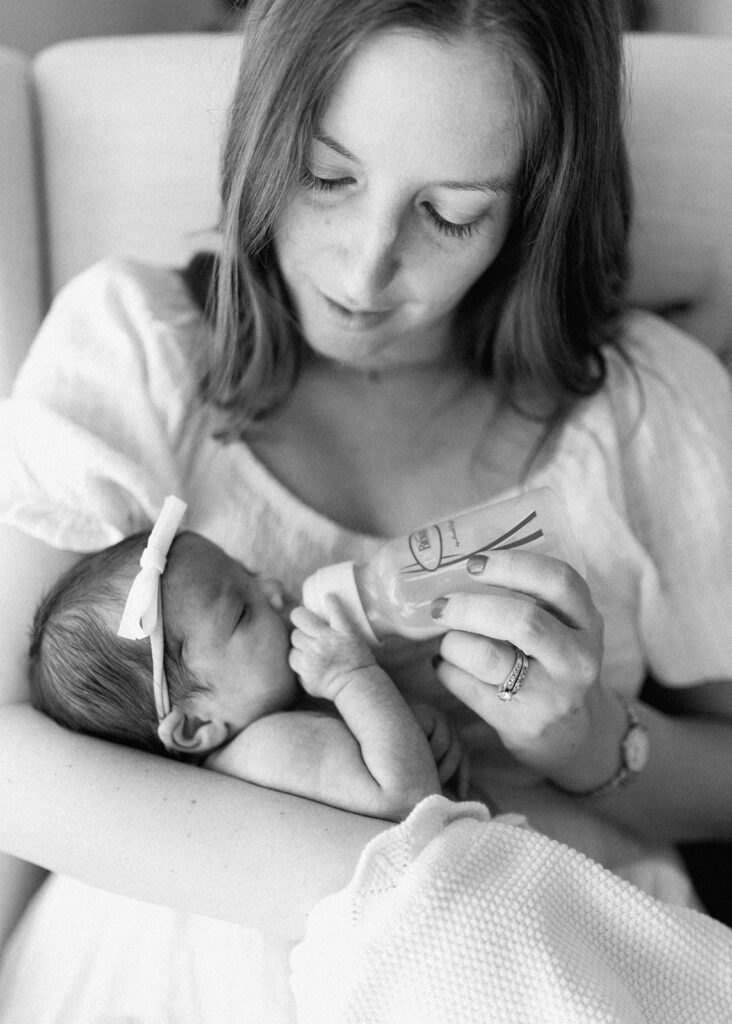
(447, 748)
(324, 656)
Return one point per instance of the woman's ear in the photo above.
(186, 734)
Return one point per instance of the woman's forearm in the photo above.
(160, 831)
(682, 794)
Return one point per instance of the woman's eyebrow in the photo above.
(331, 143)
(497, 185)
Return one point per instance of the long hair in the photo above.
(81, 673)
(541, 313)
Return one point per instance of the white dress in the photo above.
(104, 423)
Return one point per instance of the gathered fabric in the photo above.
(454, 916)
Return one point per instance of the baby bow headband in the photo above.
(143, 612)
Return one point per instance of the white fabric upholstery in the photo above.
(127, 140)
(21, 292)
(130, 135)
(680, 136)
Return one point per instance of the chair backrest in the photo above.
(680, 140)
(129, 135)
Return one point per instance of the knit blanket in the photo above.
(453, 916)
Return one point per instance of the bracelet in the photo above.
(634, 753)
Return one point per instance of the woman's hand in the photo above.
(547, 612)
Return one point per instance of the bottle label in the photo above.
(439, 546)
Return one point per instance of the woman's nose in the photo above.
(372, 261)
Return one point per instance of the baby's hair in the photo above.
(82, 674)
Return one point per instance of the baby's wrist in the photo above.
(359, 676)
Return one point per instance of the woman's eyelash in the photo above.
(446, 227)
(311, 180)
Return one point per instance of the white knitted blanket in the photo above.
(454, 918)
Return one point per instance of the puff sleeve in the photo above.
(674, 422)
(103, 415)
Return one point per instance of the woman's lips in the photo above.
(358, 319)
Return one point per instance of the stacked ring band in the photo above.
(514, 680)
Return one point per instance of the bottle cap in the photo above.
(339, 580)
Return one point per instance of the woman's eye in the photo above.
(447, 227)
(318, 184)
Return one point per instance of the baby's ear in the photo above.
(186, 734)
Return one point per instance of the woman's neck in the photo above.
(424, 390)
(379, 452)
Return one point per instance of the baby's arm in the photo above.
(391, 765)
(307, 753)
(378, 760)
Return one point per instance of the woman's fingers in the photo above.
(543, 608)
(484, 658)
(552, 583)
(472, 691)
(522, 722)
(476, 621)
(539, 604)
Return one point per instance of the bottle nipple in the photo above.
(339, 580)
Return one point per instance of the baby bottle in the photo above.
(392, 592)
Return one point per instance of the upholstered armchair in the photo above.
(111, 146)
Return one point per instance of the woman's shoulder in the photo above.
(658, 368)
(662, 419)
(119, 287)
(104, 414)
(120, 317)
(667, 410)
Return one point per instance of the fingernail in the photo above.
(437, 607)
(476, 564)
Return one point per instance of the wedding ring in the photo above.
(514, 680)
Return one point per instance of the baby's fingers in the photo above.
(337, 619)
(462, 785)
(449, 764)
(308, 622)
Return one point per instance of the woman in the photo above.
(419, 306)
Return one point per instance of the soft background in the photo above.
(30, 25)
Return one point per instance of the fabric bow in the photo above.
(143, 611)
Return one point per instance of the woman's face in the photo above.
(408, 199)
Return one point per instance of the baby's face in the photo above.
(232, 629)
